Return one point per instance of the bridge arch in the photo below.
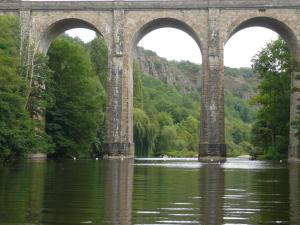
(166, 22)
(278, 26)
(288, 33)
(145, 28)
(58, 27)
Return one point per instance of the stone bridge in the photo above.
(123, 23)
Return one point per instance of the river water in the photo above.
(150, 191)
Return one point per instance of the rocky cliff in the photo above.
(186, 76)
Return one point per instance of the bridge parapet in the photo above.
(146, 4)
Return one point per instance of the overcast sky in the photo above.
(174, 44)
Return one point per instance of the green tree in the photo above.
(270, 134)
(98, 53)
(164, 119)
(145, 133)
(38, 97)
(38, 100)
(17, 135)
(74, 118)
(176, 110)
(166, 140)
(99, 57)
(188, 131)
(137, 86)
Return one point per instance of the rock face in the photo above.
(186, 76)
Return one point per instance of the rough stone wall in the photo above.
(26, 52)
(294, 152)
(119, 112)
(149, 4)
(124, 23)
(46, 25)
(212, 134)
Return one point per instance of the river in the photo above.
(150, 191)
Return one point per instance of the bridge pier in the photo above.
(119, 142)
(294, 148)
(212, 139)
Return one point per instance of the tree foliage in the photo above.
(98, 53)
(270, 133)
(73, 120)
(175, 115)
(164, 121)
(17, 135)
(145, 133)
(137, 86)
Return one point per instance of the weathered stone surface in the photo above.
(25, 21)
(294, 148)
(153, 4)
(123, 23)
(212, 120)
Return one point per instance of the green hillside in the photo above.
(172, 112)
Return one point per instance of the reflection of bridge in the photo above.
(123, 23)
(112, 191)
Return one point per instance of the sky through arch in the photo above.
(239, 50)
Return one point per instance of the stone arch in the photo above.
(271, 23)
(166, 22)
(288, 34)
(141, 31)
(154, 24)
(58, 27)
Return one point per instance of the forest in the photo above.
(58, 106)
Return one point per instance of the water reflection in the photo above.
(36, 192)
(89, 192)
(294, 181)
(257, 193)
(118, 191)
(73, 192)
(166, 192)
(21, 193)
(211, 194)
(69, 192)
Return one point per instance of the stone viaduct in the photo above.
(123, 23)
